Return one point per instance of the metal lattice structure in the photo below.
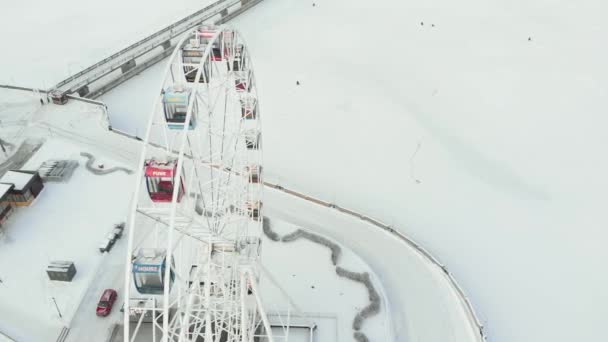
(195, 235)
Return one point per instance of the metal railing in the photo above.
(43, 91)
(6, 86)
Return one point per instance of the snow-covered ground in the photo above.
(475, 127)
(66, 222)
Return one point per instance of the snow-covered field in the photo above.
(476, 127)
(47, 41)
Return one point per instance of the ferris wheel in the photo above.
(196, 224)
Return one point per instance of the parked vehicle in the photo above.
(106, 302)
(110, 239)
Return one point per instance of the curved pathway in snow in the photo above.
(102, 172)
(426, 304)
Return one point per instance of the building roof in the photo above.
(19, 178)
(5, 189)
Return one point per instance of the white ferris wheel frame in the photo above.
(211, 225)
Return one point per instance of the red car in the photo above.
(106, 302)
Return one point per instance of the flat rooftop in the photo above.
(17, 178)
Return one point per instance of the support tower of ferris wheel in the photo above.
(196, 224)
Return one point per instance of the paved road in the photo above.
(86, 326)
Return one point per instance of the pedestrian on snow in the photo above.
(41, 102)
(297, 82)
(313, 4)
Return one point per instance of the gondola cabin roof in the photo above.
(19, 178)
(176, 95)
(148, 260)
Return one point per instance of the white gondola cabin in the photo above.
(249, 108)
(239, 60)
(252, 140)
(192, 54)
(252, 208)
(254, 173)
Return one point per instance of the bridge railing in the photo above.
(169, 30)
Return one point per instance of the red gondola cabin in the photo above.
(160, 180)
(206, 34)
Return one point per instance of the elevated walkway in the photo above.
(105, 75)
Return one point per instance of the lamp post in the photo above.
(57, 307)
